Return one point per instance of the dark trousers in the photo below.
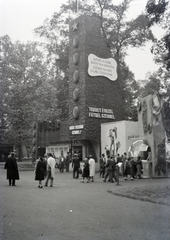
(114, 175)
(133, 172)
(76, 172)
(12, 181)
(102, 172)
(49, 178)
(62, 167)
(67, 166)
(110, 175)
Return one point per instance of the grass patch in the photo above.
(155, 194)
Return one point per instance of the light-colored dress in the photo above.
(51, 166)
(92, 167)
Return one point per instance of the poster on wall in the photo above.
(116, 137)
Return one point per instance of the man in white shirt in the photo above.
(92, 168)
(50, 170)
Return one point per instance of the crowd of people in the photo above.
(130, 167)
(45, 168)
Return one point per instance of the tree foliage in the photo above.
(158, 12)
(27, 90)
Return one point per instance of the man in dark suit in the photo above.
(12, 169)
(76, 165)
(61, 162)
(68, 161)
(109, 167)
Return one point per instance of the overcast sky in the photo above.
(18, 19)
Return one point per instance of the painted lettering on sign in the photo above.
(133, 136)
(101, 113)
(76, 127)
(76, 132)
(102, 67)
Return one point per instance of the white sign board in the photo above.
(106, 67)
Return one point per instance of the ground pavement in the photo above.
(72, 210)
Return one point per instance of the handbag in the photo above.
(80, 171)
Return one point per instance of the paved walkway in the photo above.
(72, 210)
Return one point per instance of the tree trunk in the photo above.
(20, 153)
